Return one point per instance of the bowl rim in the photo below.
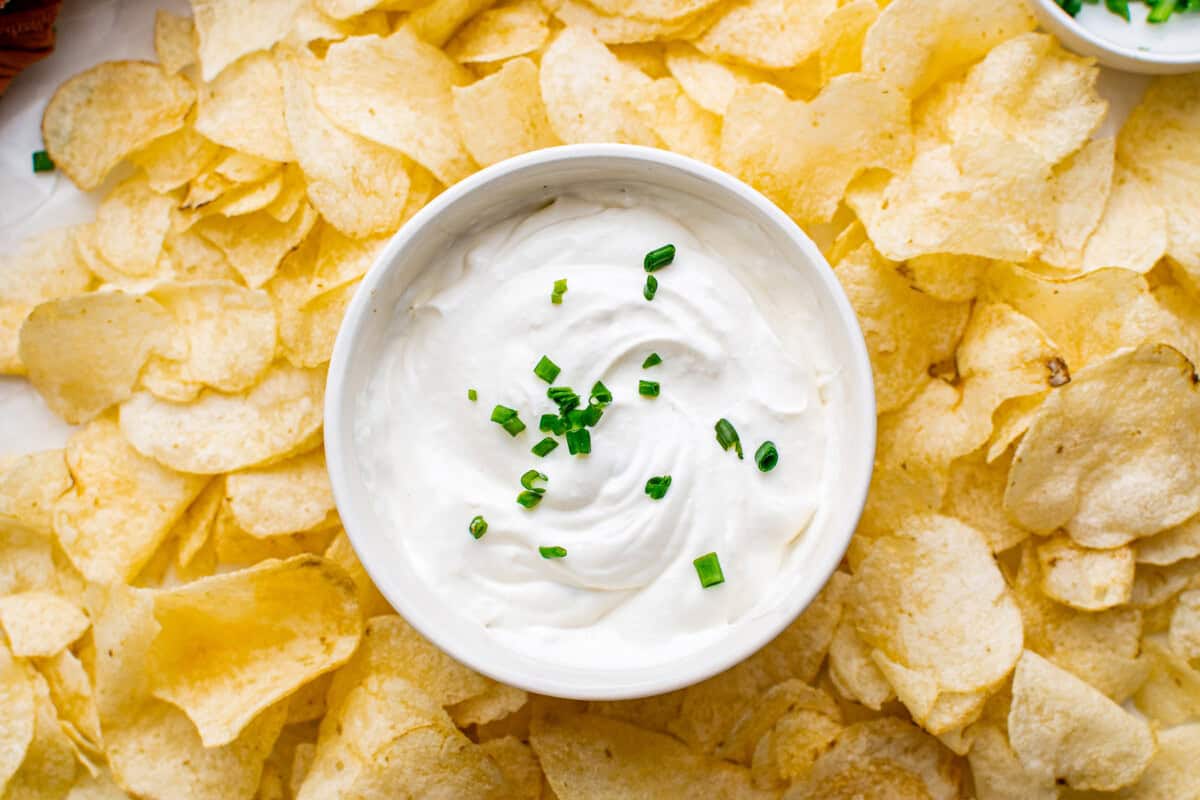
(1055, 15)
(340, 453)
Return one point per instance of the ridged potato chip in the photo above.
(287, 497)
(783, 698)
(174, 41)
(232, 645)
(682, 125)
(1109, 456)
(503, 115)
(1063, 729)
(226, 30)
(998, 772)
(100, 116)
(40, 624)
(224, 432)
(513, 29)
(826, 147)
(84, 353)
(1090, 580)
(256, 243)
(788, 751)
(519, 765)
(769, 34)
(496, 702)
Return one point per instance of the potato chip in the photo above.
(345, 9)
(653, 713)
(307, 332)
(83, 354)
(370, 601)
(287, 497)
(102, 115)
(234, 547)
(1128, 410)
(172, 160)
(513, 29)
(30, 485)
(998, 772)
(50, 763)
(503, 115)
(194, 258)
(1172, 771)
(396, 91)
(242, 109)
(244, 168)
(174, 41)
(827, 146)
(519, 765)
(359, 186)
(853, 672)
(842, 34)
(226, 30)
(96, 787)
(975, 495)
(917, 43)
(17, 722)
(585, 89)
(436, 21)
(1090, 580)
(614, 29)
(657, 10)
(232, 645)
(782, 699)
(192, 531)
(238, 200)
(312, 26)
(131, 224)
(590, 756)
(26, 558)
(1132, 234)
(1080, 192)
(1171, 693)
(39, 623)
(496, 702)
(770, 34)
(1063, 729)
(1147, 146)
(710, 83)
(70, 688)
(256, 243)
(1172, 545)
(682, 125)
(788, 751)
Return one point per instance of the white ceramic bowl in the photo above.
(496, 193)
(1127, 57)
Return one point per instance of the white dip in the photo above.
(1179, 34)
(741, 337)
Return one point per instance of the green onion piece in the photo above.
(708, 567)
(1072, 7)
(478, 527)
(560, 288)
(513, 426)
(591, 415)
(42, 162)
(1162, 11)
(529, 499)
(507, 418)
(472, 395)
(648, 388)
(651, 287)
(601, 394)
(542, 448)
(766, 456)
(579, 442)
(659, 257)
(549, 423)
(529, 477)
(727, 436)
(553, 552)
(1118, 7)
(546, 369)
(564, 397)
(657, 487)
(652, 360)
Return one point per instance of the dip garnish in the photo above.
(530, 477)
(601, 394)
(652, 360)
(564, 397)
(659, 257)
(529, 499)
(507, 418)
(546, 369)
(708, 567)
(648, 388)
(579, 442)
(651, 287)
(727, 436)
(766, 456)
(478, 526)
(657, 487)
(42, 162)
(553, 552)
(544, 446)
(472, 395)
(560, 288)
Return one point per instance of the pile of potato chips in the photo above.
(1019, 614)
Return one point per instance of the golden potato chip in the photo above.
(496, 702)
(1080, 190)
(615, 29)
(312, 26)
(174, 41)
(1172, 771)
(256, 243)
(17, 722)
(1183, 637)
(84, 353)
(121, 506)
(842, 34)
(827, 145)
(513, 29)
(1063, 729)
(1132, 234)
(781, 699)
(225, 432)
(997, 771)
(100, 116)
(396, 91)
(682, 125)
(1129, 410)
(287, 497)
(1172, 545)
(652, 713)
(1171, 693)
(192, 531)
(232, 645)
(131, 224)
(70, 688)
(916, 43)
(1147, 145)
(975, 495)
(519, 765)
(503, 115)
(50, 763)
(590, 756)
(359, 186)
(370, 601)
(40, 624)
(788, 751)
(30, 485)
(292, 193)
(710, 83)
(244, 168)
(770, 34)
(194, 258)
(152, 747)
(852, 671)
(172, 160)
(238, 200)
(1090, 580)
(307, 332)
(1154, 585)
(661, 10)
(585, 89)
(243, 109)
(226, 30)
(436, 21)
(233, 547)
(96, 787)
(26, 558)
(1011, 420)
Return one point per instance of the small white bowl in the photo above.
(1146, 59)
(495, 193)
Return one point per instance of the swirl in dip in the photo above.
(740, 338)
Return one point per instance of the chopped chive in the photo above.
(507, 418)
(553, 552)
(472, 395)
(529, 499)
(560, 288)
(766, 456)
(513, 426)
(478, 527)
(1162, 11)
(708, 567)
(727, 436)
(652, 360)
(601, 394)
(651, 287)
(659, 257)
(579, 442)
(591, 415)
(564, 397)
(42, 161)
(1072, 7)
(1118, 7)
(657, 487)
(542, 448)
(530, 477)
(648, 388)
(546, 369)
(550, 423)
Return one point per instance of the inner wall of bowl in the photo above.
(499, 196)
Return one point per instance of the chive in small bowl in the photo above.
(1152, 37)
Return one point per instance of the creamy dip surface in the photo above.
(741, 337)
(1179, 34)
